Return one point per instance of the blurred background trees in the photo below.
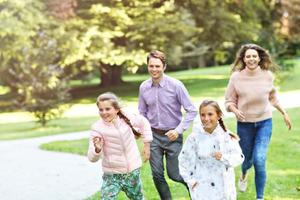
(46, 43)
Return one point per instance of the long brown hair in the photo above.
(219, 113)
(265, 62)
(113, 99)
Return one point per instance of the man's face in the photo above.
(156, 69)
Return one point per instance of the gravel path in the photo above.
(27, 172)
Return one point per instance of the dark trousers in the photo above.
(161, 146)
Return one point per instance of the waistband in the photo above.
(159, 131)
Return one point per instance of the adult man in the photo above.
(160, 101)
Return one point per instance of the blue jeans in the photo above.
(255, 138)
(161, 146)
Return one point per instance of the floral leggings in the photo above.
(130, 183)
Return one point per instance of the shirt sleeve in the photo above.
(142, 107)
(92, 155)
(187, 161)
(189, 108)
(231, 96)
(232, 156)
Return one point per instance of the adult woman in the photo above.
(250, 95)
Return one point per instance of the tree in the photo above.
(30, 60)
(113, 35)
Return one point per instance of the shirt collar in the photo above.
(161, 83)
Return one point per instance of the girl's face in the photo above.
(107, 111)
(251, 59)
(209, 118)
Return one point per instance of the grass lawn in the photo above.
(283, 164)
(204, 82)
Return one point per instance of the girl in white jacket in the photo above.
(209, 155)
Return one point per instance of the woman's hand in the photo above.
(287, 121)
(98, 143)
(146, 151)
(238, 114)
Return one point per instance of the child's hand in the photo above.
(146, 151)
(218, 155)
(98, 143)
(194, 185)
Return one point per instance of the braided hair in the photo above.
(218, 110)
(219, 113)
(113, 99)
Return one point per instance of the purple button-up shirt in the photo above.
(161, 104)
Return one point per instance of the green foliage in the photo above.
(30, 60)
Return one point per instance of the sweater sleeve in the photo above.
(232, 156)
(92, 155)
(231, 96)
(273, 98)
(186, 159)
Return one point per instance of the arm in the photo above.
(145, 129)
(275, 102)
(231, 100)
(189, 108)
(186, 161)
(232, 156)
(95, 146)
(142, 106)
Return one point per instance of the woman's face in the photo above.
(209, 118)
(251, 59)
(107, 111)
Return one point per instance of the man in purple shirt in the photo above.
(160, 100)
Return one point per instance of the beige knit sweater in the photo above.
(253, 93)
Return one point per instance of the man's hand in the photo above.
(146, 151)
(172, 135)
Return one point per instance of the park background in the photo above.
(57, 56)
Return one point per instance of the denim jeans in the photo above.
(255, 138)
(161, 146)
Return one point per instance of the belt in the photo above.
(159, 131)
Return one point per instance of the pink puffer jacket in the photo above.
(120, 151)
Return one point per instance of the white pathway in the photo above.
(27, 172)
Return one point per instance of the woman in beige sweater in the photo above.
(250, 95)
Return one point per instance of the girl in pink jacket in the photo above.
(113, 137)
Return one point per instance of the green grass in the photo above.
(283, 166)
(22, 130)
(201, 83)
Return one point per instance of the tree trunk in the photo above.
(110, 75)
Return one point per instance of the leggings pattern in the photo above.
(130, 183)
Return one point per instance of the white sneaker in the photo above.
(242, 184)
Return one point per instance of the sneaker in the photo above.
(259, 199)
(242, 184)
